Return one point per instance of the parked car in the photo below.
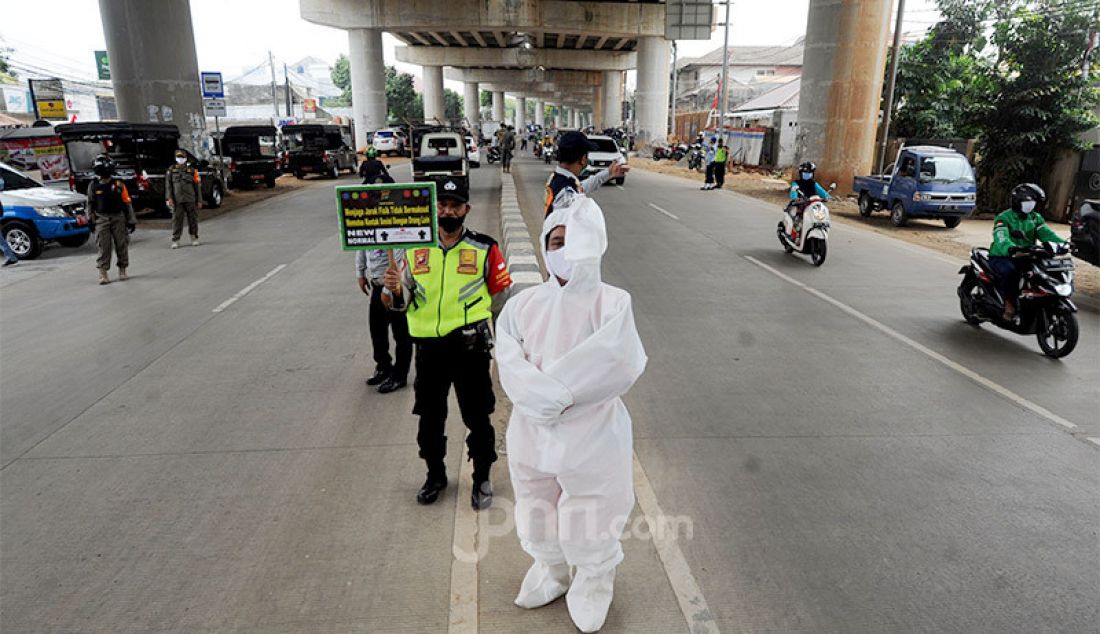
(142, 153)
(472, 151)
(389, 141)
(441, 155)
(320, 149)
(607, 152)
(252, 154)
(925, 182)
(1085, 231)
(34, 215)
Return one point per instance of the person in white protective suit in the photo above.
(567, 351)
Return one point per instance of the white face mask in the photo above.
(180, 160)
(1027, 206)
(558, 265)
(807, 176)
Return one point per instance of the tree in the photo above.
(486, 98)
(341, 76)
(5, 69)
(452, 105)
(402, 100)
(1041, 100)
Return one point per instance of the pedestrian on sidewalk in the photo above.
(573, 149)
(447, 292)
(721, 156)
(709, 160)
(370, 268)
(183, 193)
(567, 351)
(111, 216)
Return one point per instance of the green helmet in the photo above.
(372, 153)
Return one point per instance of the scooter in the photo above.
(808, 234)
(494, 154)
(1045, 307)
(549, 153)
(695, 159)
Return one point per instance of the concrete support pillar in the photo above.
(846, 45)
(651, 95)
(433, 92)
(540, 113)
(471, 105)
(498, 106)
(521, 113)
(576, 119)
(368, 82)
(597, 109)
(612, 98)
(154, 70)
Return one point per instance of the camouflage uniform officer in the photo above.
(111, 216)
(184, 196)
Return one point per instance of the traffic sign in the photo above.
(212, 85)
(214, 107)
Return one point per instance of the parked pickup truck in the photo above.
(925, 182)
(441, 155)
(33, 215)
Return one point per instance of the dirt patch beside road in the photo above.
(927, 233)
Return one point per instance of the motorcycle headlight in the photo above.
(819, 214)
(1063, 290)
(52, 212)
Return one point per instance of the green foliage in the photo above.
(1007, 72)
(452, 105)
(486, 98)
(402, 100)
(6, 71)
(341, 76)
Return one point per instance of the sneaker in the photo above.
(431, 489)
(482, 496)
(103, 279)
(122, 274)
(195, 242)
(11, 261)
(175, 244)
(391, 384)
(380, 377)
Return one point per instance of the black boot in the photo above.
(433, 486)
(482, 496)
(391, 384)
(379, 377)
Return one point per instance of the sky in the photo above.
(232, 36)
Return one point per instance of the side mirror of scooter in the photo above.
(832, 186)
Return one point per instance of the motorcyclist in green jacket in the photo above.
(1015, 231)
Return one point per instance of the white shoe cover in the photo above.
(589, 598)
(543, 584)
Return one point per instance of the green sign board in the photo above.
(387, 216)
(102, 65)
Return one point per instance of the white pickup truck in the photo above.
(441, 155)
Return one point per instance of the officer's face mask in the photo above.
(1027, 206)
(807, 176)
(180, 160)
(558, 265)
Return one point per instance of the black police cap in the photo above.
(576, 143)
(452, 188)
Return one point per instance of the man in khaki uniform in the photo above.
(111, 215)
(184, 197)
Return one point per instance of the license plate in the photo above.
(950, 208)
(307, 168)
(257, 177)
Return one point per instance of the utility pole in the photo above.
(675, 77)
(886, 114)
(724, 101)
(274, 92)
(289, 101)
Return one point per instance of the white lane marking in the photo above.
(961, 369)
(669, 214)
(700, 620)
(248, 289)
(464, 612)
(1095, 441)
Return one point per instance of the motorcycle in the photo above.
(808, 233)
(1045, 308)
(679, 152)
(660, 152)
(695, 159)
(549, 153)
(494, 154)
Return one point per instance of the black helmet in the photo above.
(1025, 192)
(808, 166)
(103, 166)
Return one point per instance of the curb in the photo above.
(519, 251)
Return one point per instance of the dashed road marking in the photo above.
(667, 213)
(248, 289)
(961, 369)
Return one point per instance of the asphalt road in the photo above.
(850, 456)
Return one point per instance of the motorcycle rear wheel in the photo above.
(1057, 325)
